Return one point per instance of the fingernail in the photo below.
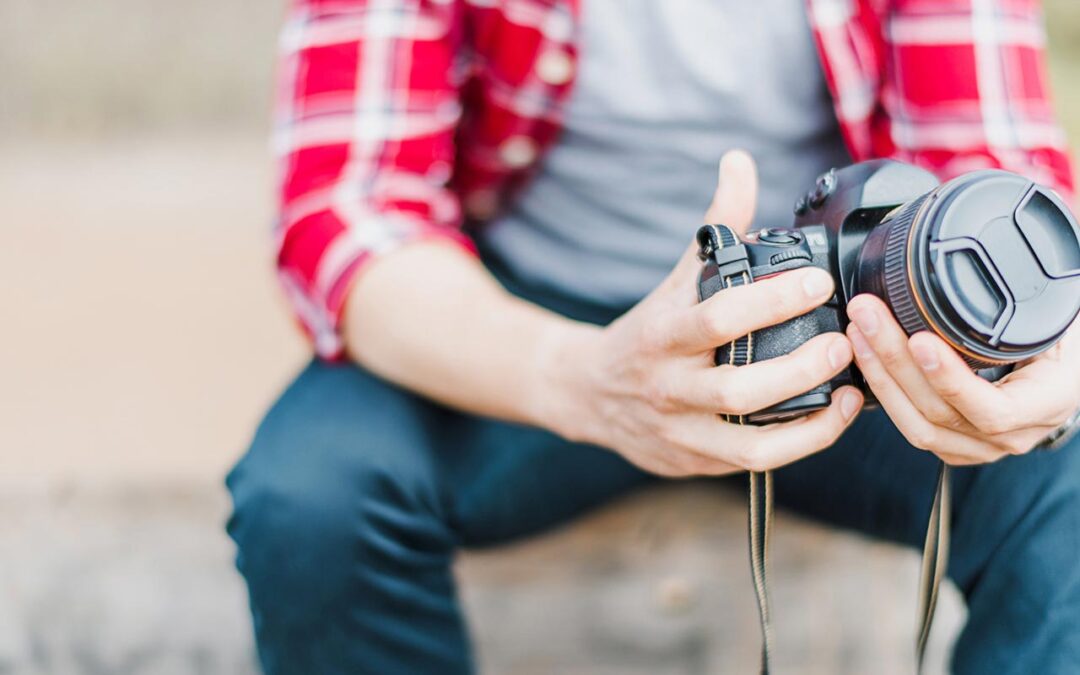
(866, 320)
(816, 283)
(839, 354)
(735, 160)
(925, 356)
(862, 347)
(849, 404)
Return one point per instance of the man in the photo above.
(501, 381)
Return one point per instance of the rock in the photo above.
(142, 582)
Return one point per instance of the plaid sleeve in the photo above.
(965, 87)
(367, 104)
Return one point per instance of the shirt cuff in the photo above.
(319, 302)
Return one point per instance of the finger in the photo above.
(890, 344)
(962, 460)
(919, 431)
(752, 448)
(780, 444)
(735, 199)
(746, 389)
(734, 312)
(689, 463)
(682, 464)
(1023, 441)
(991, 409)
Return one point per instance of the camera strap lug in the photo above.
(720, 245)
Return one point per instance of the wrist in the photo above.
(561, 377)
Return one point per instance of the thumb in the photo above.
(733, 205)
(735, 198)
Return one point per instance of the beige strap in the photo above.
(935, 562)
(741, 353)
(935, 551)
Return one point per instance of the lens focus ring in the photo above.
(897, 284)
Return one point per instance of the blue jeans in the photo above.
(355, 494)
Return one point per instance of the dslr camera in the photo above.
(988, 261)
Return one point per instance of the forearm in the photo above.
(431, 318)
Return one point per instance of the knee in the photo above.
(306, 540)
(322, 503)
(293, 542)
(1022, 521)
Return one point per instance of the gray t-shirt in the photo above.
(665, 87)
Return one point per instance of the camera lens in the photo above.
(989, 261)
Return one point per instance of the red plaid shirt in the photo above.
(397, 118)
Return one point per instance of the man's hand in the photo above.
(646, 385)
(940, 405)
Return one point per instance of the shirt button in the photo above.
(555, 67)
(517, 152)
(481, 204)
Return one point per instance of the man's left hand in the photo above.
(940, 405)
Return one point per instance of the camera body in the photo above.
(832, 225)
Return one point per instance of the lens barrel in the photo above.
(989, 261)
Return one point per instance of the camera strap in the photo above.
(935, 560)
(733, 269)
(724, 247)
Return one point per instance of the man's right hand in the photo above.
(646, 385)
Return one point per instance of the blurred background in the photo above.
(143, 337)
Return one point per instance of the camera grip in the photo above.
(785, 338)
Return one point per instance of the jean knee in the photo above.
(1022, 519)
(325, 497)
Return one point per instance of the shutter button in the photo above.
(555, 67)
(778, 237)
(518, 152)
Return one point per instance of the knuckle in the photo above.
(1018, 449)
(808, 370)
(997, 424)
(700, 465)
(822, 432)
(948, 388)
(787, 304)
(922, 437)
(661, 395)
(770, 301)
(1016, 446)
(750, 458)
(656, 337)
(942, 414)
(830, 432)
(892, 357)
(730, 398)
(711, 322)
(956, 423)
(673, 470)
(678, 471)
(1064, 408)
(955, 460)
(758, 464)
(670, 435)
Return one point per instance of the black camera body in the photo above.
(977, 260)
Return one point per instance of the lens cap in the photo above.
(1002, 261)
